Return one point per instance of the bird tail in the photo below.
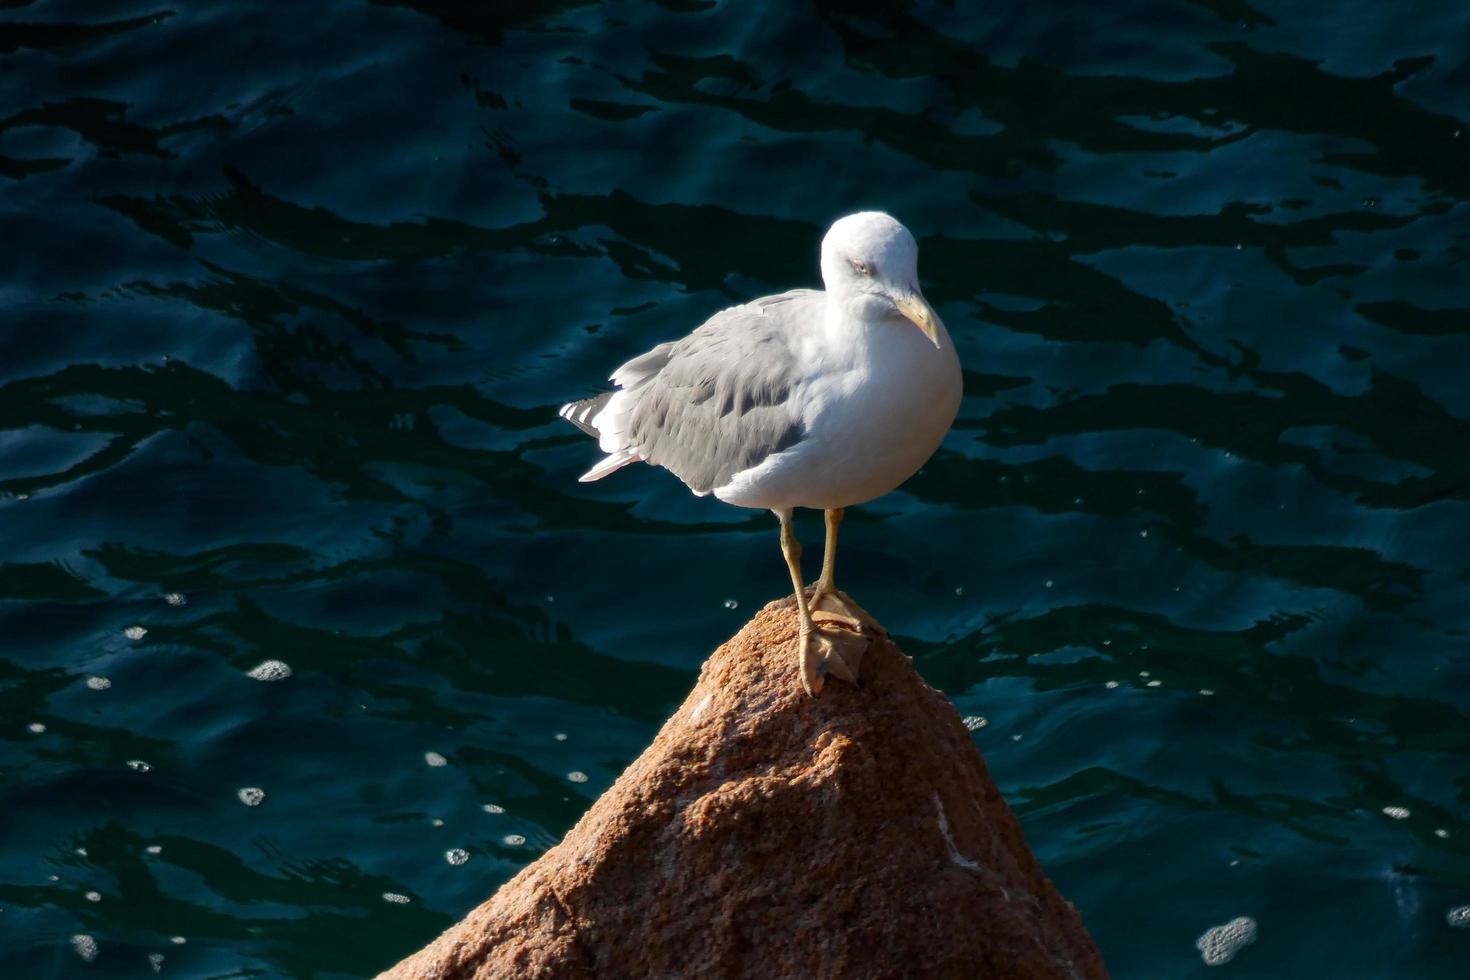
(583, 414)
(609, 464)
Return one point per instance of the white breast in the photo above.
(876, 400)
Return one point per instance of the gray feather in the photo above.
(718, 401)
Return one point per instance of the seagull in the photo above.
(810, 398)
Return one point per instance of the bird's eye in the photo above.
(861, 268)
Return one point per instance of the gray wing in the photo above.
(718, 401)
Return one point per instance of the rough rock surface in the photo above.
(768, 835)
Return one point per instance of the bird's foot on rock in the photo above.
(830, 650)
(824, 617)
(830, 606)
(845, 654)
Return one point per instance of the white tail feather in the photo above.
(579, 413)
(609, 464)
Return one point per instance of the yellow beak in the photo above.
(917, 309)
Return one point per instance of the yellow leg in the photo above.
(829, 555)
(826, 604)
(817, 654)
(810, 662)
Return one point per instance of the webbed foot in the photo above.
(831, 647)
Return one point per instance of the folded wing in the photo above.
(710, 405)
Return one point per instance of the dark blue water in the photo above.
(289, 294)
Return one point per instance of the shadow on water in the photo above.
(340, 436)
(334, 901)
(1059, 486)
(1091, 228)
(103, 124)
(1091, 110)
(1080, 303)
(1393, 414)
(459, 652)
(1282, 701)
(488, 21)
(43, 36)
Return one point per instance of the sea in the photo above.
(310, 638)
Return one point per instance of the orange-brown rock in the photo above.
(765, 834)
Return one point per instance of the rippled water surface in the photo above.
(290, 294)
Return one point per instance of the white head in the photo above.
(870, 265)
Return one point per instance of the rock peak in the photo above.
(770, 835)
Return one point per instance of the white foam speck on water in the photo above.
(85, 946)
(36, 728)
(135, 632)
(155, 960)
(393, 898)
(456, 856)
(270, 670)
(81, 852)
(577, 776)
(1143, 673)
(251, 795)
(1110, 685)
(94, 896)
(561, 736)
(1207, 692)
(731, 604)
(175, 599)
(177, 940)
(435, 760)
(1441, 833)
(138, 765)
(98, 683)
(1396, 812)
(514, 840)
(975, 722)
(154, 849)
(1219, 944)
(1458, 917)
(493, 808)
(1154, 683)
